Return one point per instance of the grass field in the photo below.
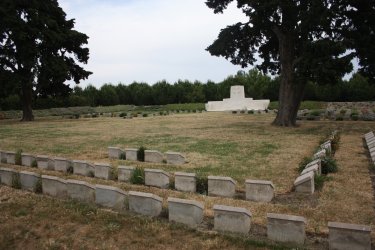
(240, 146)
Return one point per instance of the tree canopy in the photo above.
(39, 50)
(302, 41)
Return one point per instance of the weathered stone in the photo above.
(3, 157)
(327, 146)
(11, 157)
(81, 191)
(153, 156)
(344, 236)
(44, 162)
(185, 182)
(187, 212)
(305, 183)
(115, 152)
(320, 154)
(103, 171)
(232, 219)
(175, 158)
(7, 175)
(371, 145)
(145, 203)
(125, 173)
(314, 162)
(259, 190)
(54, 186)
(83, 168)
(370, 140)
(221, 186)
(314, 168)
(29, 180)
(286, 228)
(131, 154)
(237, 101)
(369, 134)
(27, 159)
(111, 197)
(62, 164)
(156, 178)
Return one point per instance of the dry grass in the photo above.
(240, 146)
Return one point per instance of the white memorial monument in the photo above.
(237, 101)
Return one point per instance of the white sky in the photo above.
(151, 40)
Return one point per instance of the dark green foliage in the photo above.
(91, 174)
(114, 174)
(16, 181)
(172, 184)
(34, 164)
(250, 112)
(315, 113)
(319, 181)
(141, 153)
(39, 49)
(202, 185)
(234, 112)
(303, 163)
(145, 115)
(339, 118)
(18, 157)
(329, 165)
(123, 114)
(122, 156)
(38, 186)
(70, 169)
(138, 176)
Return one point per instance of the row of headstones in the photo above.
(370, 143)
(153, 156)
(280, 227)
(304, 183)
(256, 190)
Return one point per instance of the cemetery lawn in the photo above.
(242, 146)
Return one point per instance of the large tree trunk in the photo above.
(291, 91)
(26, 97)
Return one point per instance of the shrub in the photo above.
(194, 111)
(34, 164)
(329, 165)
(76, 116)
(141, 153)
(315, 113)
(343, 111)
(145, 115)
(339, 118)
(250, 112)
(161, 113)
(354, 117)
(91, 173)
(123, 114)
(70, 169)
(234, 112)
(202, 185)
(38, 186)
(138, 176)
(335, 142)
(122, 156)
(16, 181)
(18, 157)
(303, 163)
(114, 174)
(172, 184)
(242, 111)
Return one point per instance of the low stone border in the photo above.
(157, 178)
(232, 219)
(152, 156)
(349, 236)
(185, 182)
(259, 190)
(27, 159)
(286, 228)
(221, 186)
(188, 212)
(125, 173)
(111, 197)
(280, 227)
(145, 203)
(29, 180)
(305, 183)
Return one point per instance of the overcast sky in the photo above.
(151, 40)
